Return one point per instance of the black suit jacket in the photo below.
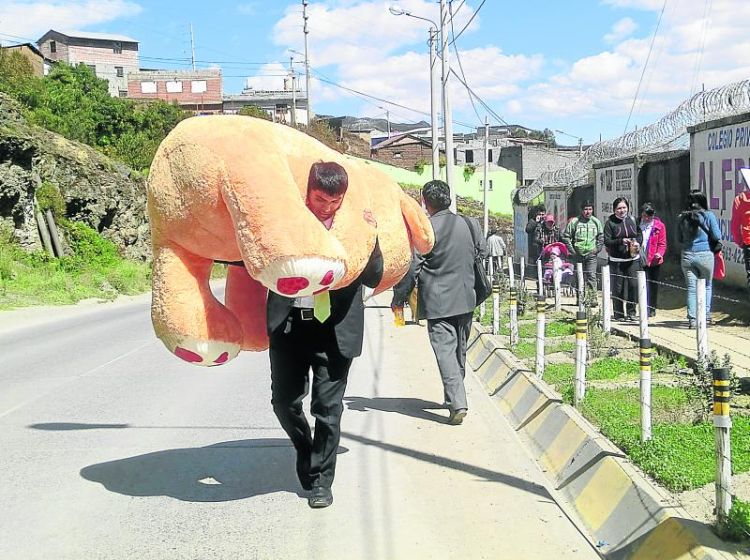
(347, 308)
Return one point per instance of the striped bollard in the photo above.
(496, 307)
(513, 300)
(645, 347)
(723, 427)
(580, 381)
(541, 305)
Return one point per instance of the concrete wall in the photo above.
(529, 162)
(498, 199)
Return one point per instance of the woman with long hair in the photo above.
(693, 228)
(623, 240)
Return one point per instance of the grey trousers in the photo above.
(448, 336)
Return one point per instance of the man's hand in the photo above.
(369, 218)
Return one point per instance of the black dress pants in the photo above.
(295, 350)
(624, 287)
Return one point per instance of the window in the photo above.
(53, 46)
(174, 86)
(527, 182)
(481, 185)
(489, 156)
(469, 156)
(148, 87)
(198, 86)
(119, 71)
(397, 155)
(117, 47)
(123, 93)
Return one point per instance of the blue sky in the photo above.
(570, 65)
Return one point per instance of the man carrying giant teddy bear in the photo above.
(305, 334)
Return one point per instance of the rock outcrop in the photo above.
(101, 192)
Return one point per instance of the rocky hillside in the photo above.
(101, 192)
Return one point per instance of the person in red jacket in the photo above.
(740, 223)
(652, 250)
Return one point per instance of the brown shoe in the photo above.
(457, 417)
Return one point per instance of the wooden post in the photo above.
(496, 307)
(513, 313)
(701, 333)
(580, 380)
(539, 279)
(645, 346)
(606, 301)
(723, 427)
(53, 233)
(44, 234)
(581, 287)
(541, 305)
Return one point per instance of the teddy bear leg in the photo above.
(245, 297)
(187, 317)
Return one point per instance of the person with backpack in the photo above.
(699, 236)
(584, 238)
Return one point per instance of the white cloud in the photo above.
(269, 77)
(620, 30)
(248, 8)
(30, 20)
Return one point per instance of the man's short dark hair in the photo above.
(329, 177)
(437, 195)
(587, 203)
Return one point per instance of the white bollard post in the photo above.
(541, 305)
(513, 300)
(496, 307)
(581, 287)
(606, 300)
(723, 426)
(580, 380)
(700, 316)
(556, 278)
(642, 304)
(511, 274)
(522, 274)
(539, 279)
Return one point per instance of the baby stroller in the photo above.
(552, 258)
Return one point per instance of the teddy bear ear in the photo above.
(420, 229)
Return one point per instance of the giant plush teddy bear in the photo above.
(232, 188)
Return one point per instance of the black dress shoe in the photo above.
(320, 497)
(303, 470)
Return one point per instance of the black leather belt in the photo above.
(304, 313)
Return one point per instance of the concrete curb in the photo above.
(627, 515)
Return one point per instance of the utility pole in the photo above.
(310, 113)
(485, 223)
(580, 147)
(388, 120)
(192, 47)
(447, 116)
(434, 102)
(294, 92)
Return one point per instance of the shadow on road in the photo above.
(416, 408)
(222, 472)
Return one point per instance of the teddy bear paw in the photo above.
(302, 276)
(204, 352)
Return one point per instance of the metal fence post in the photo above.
(580, 381)
(723, 427)
(606, 300)
(701, 333)
(541, 305)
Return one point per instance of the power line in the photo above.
(479, 99)
(645, 65)
(469, 22)
(458, 58)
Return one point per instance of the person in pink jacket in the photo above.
(740, 223)
(653, 248)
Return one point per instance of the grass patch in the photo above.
(94, 270)
(553, 329)
(737, 525)
(527, 349)
(681, 455)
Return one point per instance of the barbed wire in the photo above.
(668, 133)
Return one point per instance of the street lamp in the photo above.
(434, 91)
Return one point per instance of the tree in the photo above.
(254, 111)
(15, 71)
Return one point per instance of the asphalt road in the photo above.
(112, 448)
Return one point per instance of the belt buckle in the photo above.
(306, 314)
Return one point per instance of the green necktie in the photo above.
(322, 307)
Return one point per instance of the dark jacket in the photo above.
(616, 231)
(445, 275)
(347, 308)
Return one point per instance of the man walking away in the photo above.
(445, 281)
(584, 238)
(497, 249)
